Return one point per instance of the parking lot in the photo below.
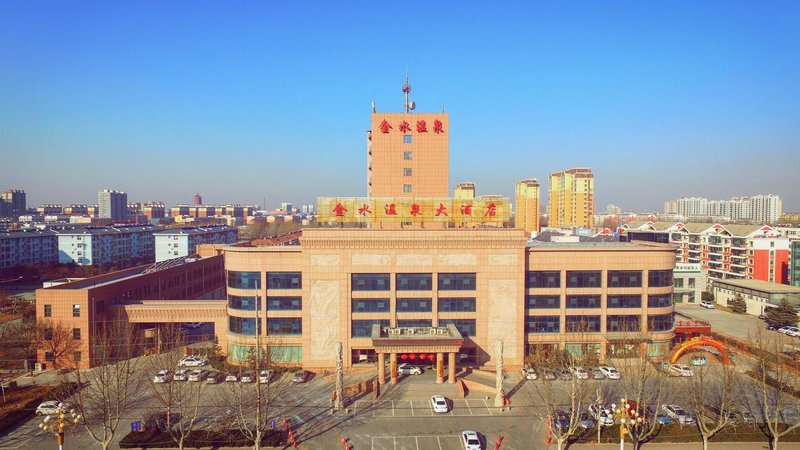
(423, 408)
(440, 442)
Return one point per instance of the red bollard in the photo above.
(344, 442)
(499, 441)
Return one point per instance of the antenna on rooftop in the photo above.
(406, 89)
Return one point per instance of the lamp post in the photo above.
(55, 424)
(625, 415)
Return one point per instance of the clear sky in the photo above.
(250, 100)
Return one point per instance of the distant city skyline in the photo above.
(272, 101)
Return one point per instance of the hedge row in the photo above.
(198, 439)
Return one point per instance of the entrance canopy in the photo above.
(445, 339)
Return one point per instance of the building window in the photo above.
(457, 304)
(244, 280)
(285, 326)
(623, 323)
(48, 356)
(677, 283)
(414, 282)
(659, 278)
(544, 279)
(583, 279)
(659, 301)
(284, 304)
(363, 328)
(624, 301)
(48, 310)
(47, 334)
(76, 310)
(76, 334)
(370, 281)
(77, 356)
(407, 156)
(465, 326)
(542, 324)
(242, 303)
(456, 281)
(407, 188)
(544, 302)
(691, 283)
(583, 324)
(625, 278)
(583, 301)
(404, 305)
(406, 139)
(284, 280)
(286, 353)
(243, 325)
(660, 322)
(414, 323)
(370, 305)
(407, 172)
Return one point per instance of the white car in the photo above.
(192, 361)
(790, 331)
(471, 441)
(52, 407)
(580, 373)
(265, 376)
(528, 373)
(601, 414)
(439, 404)
(707, 304)
(198, 375)
(232, 377)
(610, 372)
(162, 376)
(679, 414)
(181, 375)
(681, 370)
(408, 369)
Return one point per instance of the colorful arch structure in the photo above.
(701, 341)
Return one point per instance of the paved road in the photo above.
(740, 326)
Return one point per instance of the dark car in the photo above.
(773, 326)
(561, 420)
(549, 374)
(564, 374)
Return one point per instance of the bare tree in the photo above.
(59, 343)
(712, 393)
(113, 386)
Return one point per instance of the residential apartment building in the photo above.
(118, 246)
(758, 208)
(13, 203)
(153, 210)
(19, 248)
(181, 242)
(571, 198)
(794, 261)
(758, 295)
(725, 251)
(464, 191)
(112, 204)
(526, 204)
(212, 211)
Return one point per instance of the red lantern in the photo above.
(404, 357)
(431, 356)
(422, 356)
(412, 356)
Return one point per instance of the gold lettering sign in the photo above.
(494, 210)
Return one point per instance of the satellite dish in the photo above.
(412, 105)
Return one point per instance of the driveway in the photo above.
(739, 326)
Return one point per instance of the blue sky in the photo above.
(245, 101)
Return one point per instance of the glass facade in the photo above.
(284, 303)
(659, 278)
(243, 325)
(623, 323)
(456, 281)
(370, 281)
(244, 280)
(624, 301)
(543, 324)
(583, 324)
(624, 278)
(284, 280)
(544, 302)
(659, 301)
(363, 328)
(414, 282)
(660, 322)
(285, 326)
(465, 326)
(544, 279)
(368, 305)
(286, 353)
(404, 305)
(242, 303)
(457, 304)
(583, 301)
(584, 279)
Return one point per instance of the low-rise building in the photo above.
(689, 283)
(118, 246)
(758, 295)
(178, 242)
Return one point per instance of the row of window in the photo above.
(593, 278)
(413, 281)
(275, 280)
(76, 310)
(363, 328)
(454, 304)
(594, 301)
(591, 324)
(273, 303)
(284, 326)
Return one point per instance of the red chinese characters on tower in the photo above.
(491, 210)
(405, 127)
(422, 127)
(415, 210)
(385, 126)
(466, 210)
(364, 209)
(339, 210)
(390, 209)
(441, 210)
(437, 126)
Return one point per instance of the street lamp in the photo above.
(55, 424)
(625, 415)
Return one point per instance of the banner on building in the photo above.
(494, 210)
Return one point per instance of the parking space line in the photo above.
(392, 408)
(416, 439)
(470, 409)
(438, 441)
(487, 407)
(412, 412)
(394, 440)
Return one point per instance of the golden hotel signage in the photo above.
(494, 210)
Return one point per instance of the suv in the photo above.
(408, 369)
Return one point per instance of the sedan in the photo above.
(597, 374)
(162, 376)
(471, 441)
(707, 304)
(564, 374)
(661, 417)
(198, 375)
(601, 414)
(181, 374)
(193, 361)
(549, 374)
(52, 407)
(232, 377)
(610, 372)
(265, 376)
(528, 373)
(580, 373)
(675, 412)
(248, 377)
(773, 327)
(300, 376)
(561, 420)
(681, 370)
(408, 369)
(586, 421)
(439, 404)
(790, 331)
(215, 378)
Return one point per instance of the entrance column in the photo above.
(393, 368)
(439, 368)
(381, 368)
(451, 367)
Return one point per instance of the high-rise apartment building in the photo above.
(464, 191)
(112, 204)
(197, 200)
(12, 203)
(758, 208)
(571, 198)
(407, 153)
(526, 202)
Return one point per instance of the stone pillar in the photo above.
(381, 368)
(393, 368)
(499, 401)
(337, 405)
(451, 367)
(439, 368)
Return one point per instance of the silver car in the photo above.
(678, 414)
